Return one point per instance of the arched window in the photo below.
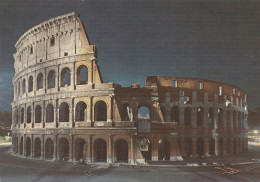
(22, 115)
(175, 114)
(30, 84)
(23, 86)
(49, 148)
(51, 79)
(49, 113)
(29, 116)
(100, 111)
(143, 112)
(187, 116)
(82, 75)
(39, 81)
(65, 77)
(38, 114)
(81, 111)
(200, 116)
(64, 112)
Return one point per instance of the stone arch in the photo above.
(100, 111)
(38, 114)
(100, 150)
(40, 81)
(30, 84)
(220, 146)
(188, 146)
(49, 113)
(121, 149)
(82, 75)
(212, 146)
(175, 114)
(80, 149)
(187, 116)
(234, 146)
(63, 146)
(23, 86)
(200, 116)
(65, 77)
(144, 111)
(37, 147)
(49, 148)
(81, 114)
(51, 79)
(21, 146)
(28, 146)
(64, 112)
(200, 146)
(164, 149)
(22, 115)
(211, 115)
(29, 114)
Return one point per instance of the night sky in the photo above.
(215, 40)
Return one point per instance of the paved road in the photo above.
(14, 169)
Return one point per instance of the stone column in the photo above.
(194, 112)
(216, 146)
(42, 147)
(154, 149)
(206, 147)
(131, 151)
(110, 150)
(55, 150)
(110, 109)
(32, 146)
(71, 143)
(225, 145)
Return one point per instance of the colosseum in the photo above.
(62, 110)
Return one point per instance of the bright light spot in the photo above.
(160, 141)
(255, 131)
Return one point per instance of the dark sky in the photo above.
(216, 40)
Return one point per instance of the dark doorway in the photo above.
(101, 150)
(80, 149)
(220, 146)
(28, 147)
(234, 146)
(49, 149)
(37, 147)
(200, 146)
(163, 149)
(122, 151)
(212, 147)
(188, 146)
(100, 111)
(21, 146)
(63, 149)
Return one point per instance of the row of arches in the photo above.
(47, 150)
(228, 146)
(65, 80)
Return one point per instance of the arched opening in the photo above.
(220, 118)
(163, 113)
(187, 146)
(82, 75)
(65, 77)
(21, 146)
(37, 147)
(22, 115)
(80, 149)
(64, 112)
(63, 149)
(125, 112)
(100, 111)
(49, 149)
(187, 116)
(38, 114)
(23, 86)
(29, 112)
(39, 81)
(212, 147)
(220, 146)
(175, 114)
(228, 146)
(234, 146)
(211, 116)
(147, 154)
(49, 113)
(81, 111)
(30, 84)
(100, 150)
(200, 116)
(51, 79)
(163, 149)
(122, 151)
(200, 147)
(28, 147)
(234, 119)
(143, 112)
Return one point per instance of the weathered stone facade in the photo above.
(63, 110)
